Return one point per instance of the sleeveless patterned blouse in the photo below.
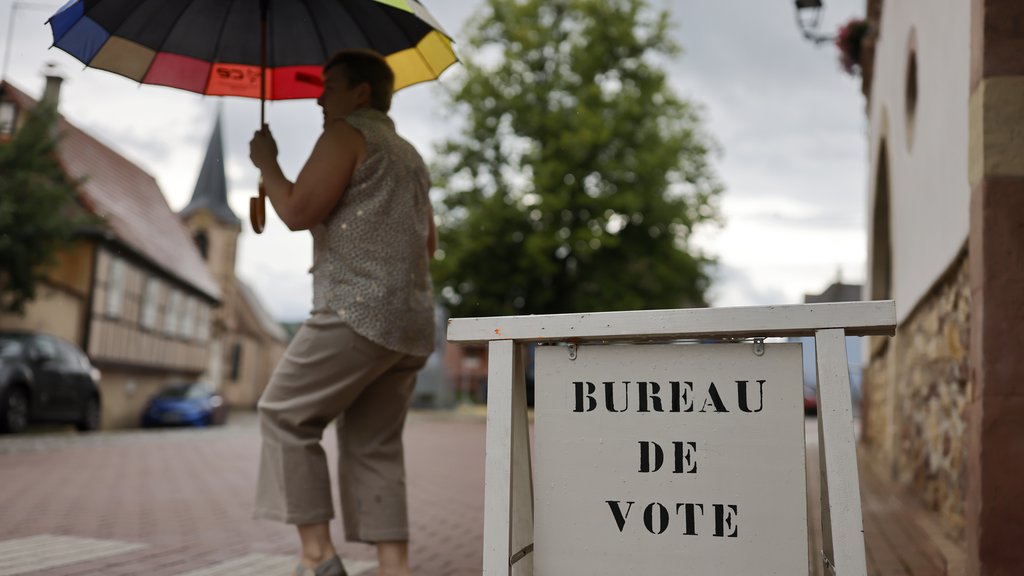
(370, 262)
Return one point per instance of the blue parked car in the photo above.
(185, 404)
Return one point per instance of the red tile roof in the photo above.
(129, 200)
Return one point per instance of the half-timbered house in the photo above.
(134, 293)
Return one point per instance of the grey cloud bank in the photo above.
(789, 121)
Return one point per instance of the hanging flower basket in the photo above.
(849, 40)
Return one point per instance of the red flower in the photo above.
(849, 40)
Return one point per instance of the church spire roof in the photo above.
(211, 191)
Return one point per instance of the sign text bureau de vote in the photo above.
(670, 459)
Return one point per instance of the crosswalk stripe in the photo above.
(263, 564)
(23, 555)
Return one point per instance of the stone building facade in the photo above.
(918, 429)
(943, 404)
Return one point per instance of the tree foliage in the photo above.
(578, 175)
(37, 208)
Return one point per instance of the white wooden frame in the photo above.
(508, 493)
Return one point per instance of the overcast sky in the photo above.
(790, 123)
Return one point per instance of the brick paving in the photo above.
(178, 502)
(186, 496)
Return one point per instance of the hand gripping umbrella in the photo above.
(266, 49)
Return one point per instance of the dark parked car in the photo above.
(46, 379)
(185, 404)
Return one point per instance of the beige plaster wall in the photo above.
(928, 156)
(259, 357)
(60, 304)
(222, 245)
(53, 312)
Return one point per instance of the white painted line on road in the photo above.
(254, 564)
(23, 555)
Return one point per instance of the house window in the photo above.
(910, 90)
(187, 317)
(881, 244)
(202, 322)
(172, 313)
(115, 287)
(203, 243)
(236, 361)
(8, 116)
(150, 302)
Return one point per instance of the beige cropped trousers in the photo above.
(329, 372)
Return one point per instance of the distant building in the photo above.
(135, 294)
(943, 408)
(837, 291)
(466, 372)
(433, 384)
(246, 343)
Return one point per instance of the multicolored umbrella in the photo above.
(266, 49)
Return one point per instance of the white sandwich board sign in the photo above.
(690, 456)
(663, 458)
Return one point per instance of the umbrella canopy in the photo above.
(266, 49)
(215, 47)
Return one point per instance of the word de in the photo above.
(685, 457)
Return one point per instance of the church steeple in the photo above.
(214, 227)
(211, 191)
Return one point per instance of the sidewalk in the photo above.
(177, 503)
(901, 538)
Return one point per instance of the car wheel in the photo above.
(14, 410)
(90, 416)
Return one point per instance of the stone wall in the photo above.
(875, 404)
(917, 393)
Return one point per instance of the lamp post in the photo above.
(808, 18)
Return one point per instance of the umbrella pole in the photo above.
(263, 64)
(258, 205)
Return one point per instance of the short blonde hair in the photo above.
(366, 66)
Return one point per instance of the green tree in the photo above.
(578, 175)
(38, 212)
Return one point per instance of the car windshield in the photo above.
(10, 346)
(183, 391)
(198, 391)
(175, 392)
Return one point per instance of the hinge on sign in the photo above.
(572, 351)
(829, 566)
(758, 346)
(520, 555)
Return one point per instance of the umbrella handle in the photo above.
(258, 210)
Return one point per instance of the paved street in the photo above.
(178, 502)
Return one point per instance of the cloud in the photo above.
(735, 287)
(790, 122)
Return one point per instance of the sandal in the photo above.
(332, 567)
